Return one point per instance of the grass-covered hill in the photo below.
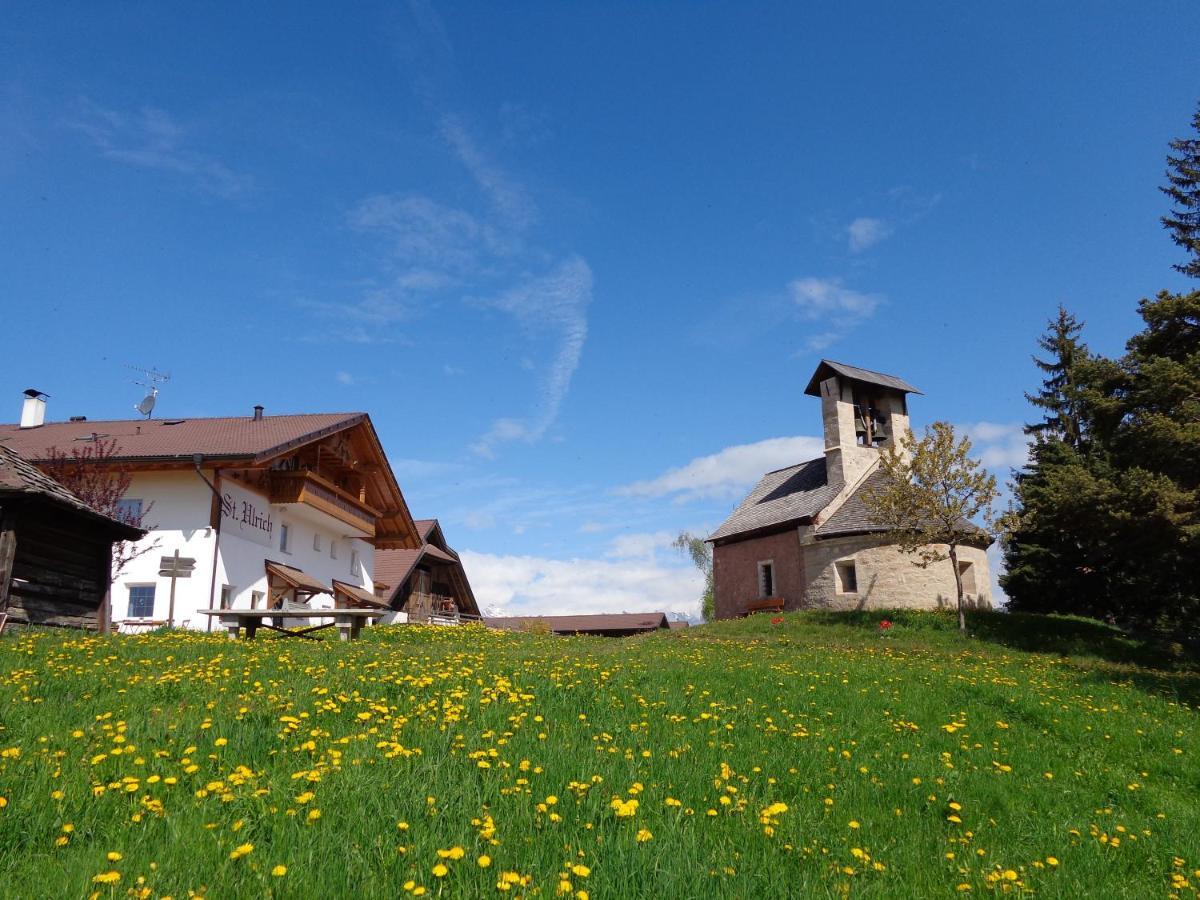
(815, 756)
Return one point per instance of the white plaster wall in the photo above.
(242, 562)
(887, 578)
(179, 519)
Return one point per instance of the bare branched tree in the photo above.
(92, 474)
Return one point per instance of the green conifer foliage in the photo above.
(1183, 187)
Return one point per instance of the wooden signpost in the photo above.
(174, 567)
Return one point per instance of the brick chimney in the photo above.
(33, 410)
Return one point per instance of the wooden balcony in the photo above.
(312, 490)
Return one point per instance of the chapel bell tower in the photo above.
(862, 412)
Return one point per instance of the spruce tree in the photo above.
(1183, 187)
(1060, 394)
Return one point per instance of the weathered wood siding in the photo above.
(60, 571)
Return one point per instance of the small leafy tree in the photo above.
(701, 555)
(91, 473)
(931, 494)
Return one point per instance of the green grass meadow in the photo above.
(814, 757)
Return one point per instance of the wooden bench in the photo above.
(349, 622)
(768, 604)
(138, 626)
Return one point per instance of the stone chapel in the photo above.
(803, 538)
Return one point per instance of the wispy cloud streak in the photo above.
(152, 139)
(555, 303)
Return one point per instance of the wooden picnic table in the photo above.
(349, 622)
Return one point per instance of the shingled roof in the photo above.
(828, 367)
(782, 497)
(20, 478)
(853, 517)
(242, 437)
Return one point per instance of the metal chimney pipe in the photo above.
(258, 413)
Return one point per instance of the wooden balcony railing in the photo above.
(313, 490)
(433, 608)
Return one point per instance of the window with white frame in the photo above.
(129, 509)
(141, 601)
(354, 562)
(317, 541)
(766, 578)
(333, 549)
(227, 592)
(847, 576)
(284, 537)
(256, 599)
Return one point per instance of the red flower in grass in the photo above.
(777, 620)
(884, 625)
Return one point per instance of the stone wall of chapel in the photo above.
(887, 578)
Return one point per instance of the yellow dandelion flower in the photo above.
(279, 871)
(440, 870)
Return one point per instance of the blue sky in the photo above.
(578, 260)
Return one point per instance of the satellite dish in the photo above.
(147, 405)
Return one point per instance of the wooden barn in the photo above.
(428, 584)
(55, 550)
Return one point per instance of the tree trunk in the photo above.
(962, 613)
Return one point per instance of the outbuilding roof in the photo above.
(780, 498)
(827, 367)
(242, 437)
(583, 624)
(19, 477)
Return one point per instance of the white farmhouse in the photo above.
(272, 510)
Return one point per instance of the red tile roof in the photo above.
(153, 439)
(393, 566)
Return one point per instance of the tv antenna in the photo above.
(151, 379)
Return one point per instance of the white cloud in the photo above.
(431, 240)
(839, 309)
(152, 139)
(999, 445)
(554, 304)
(729, 472)
(506, 197)
(529, 585)
(345, 378)
(642, 545)
(865, 232)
